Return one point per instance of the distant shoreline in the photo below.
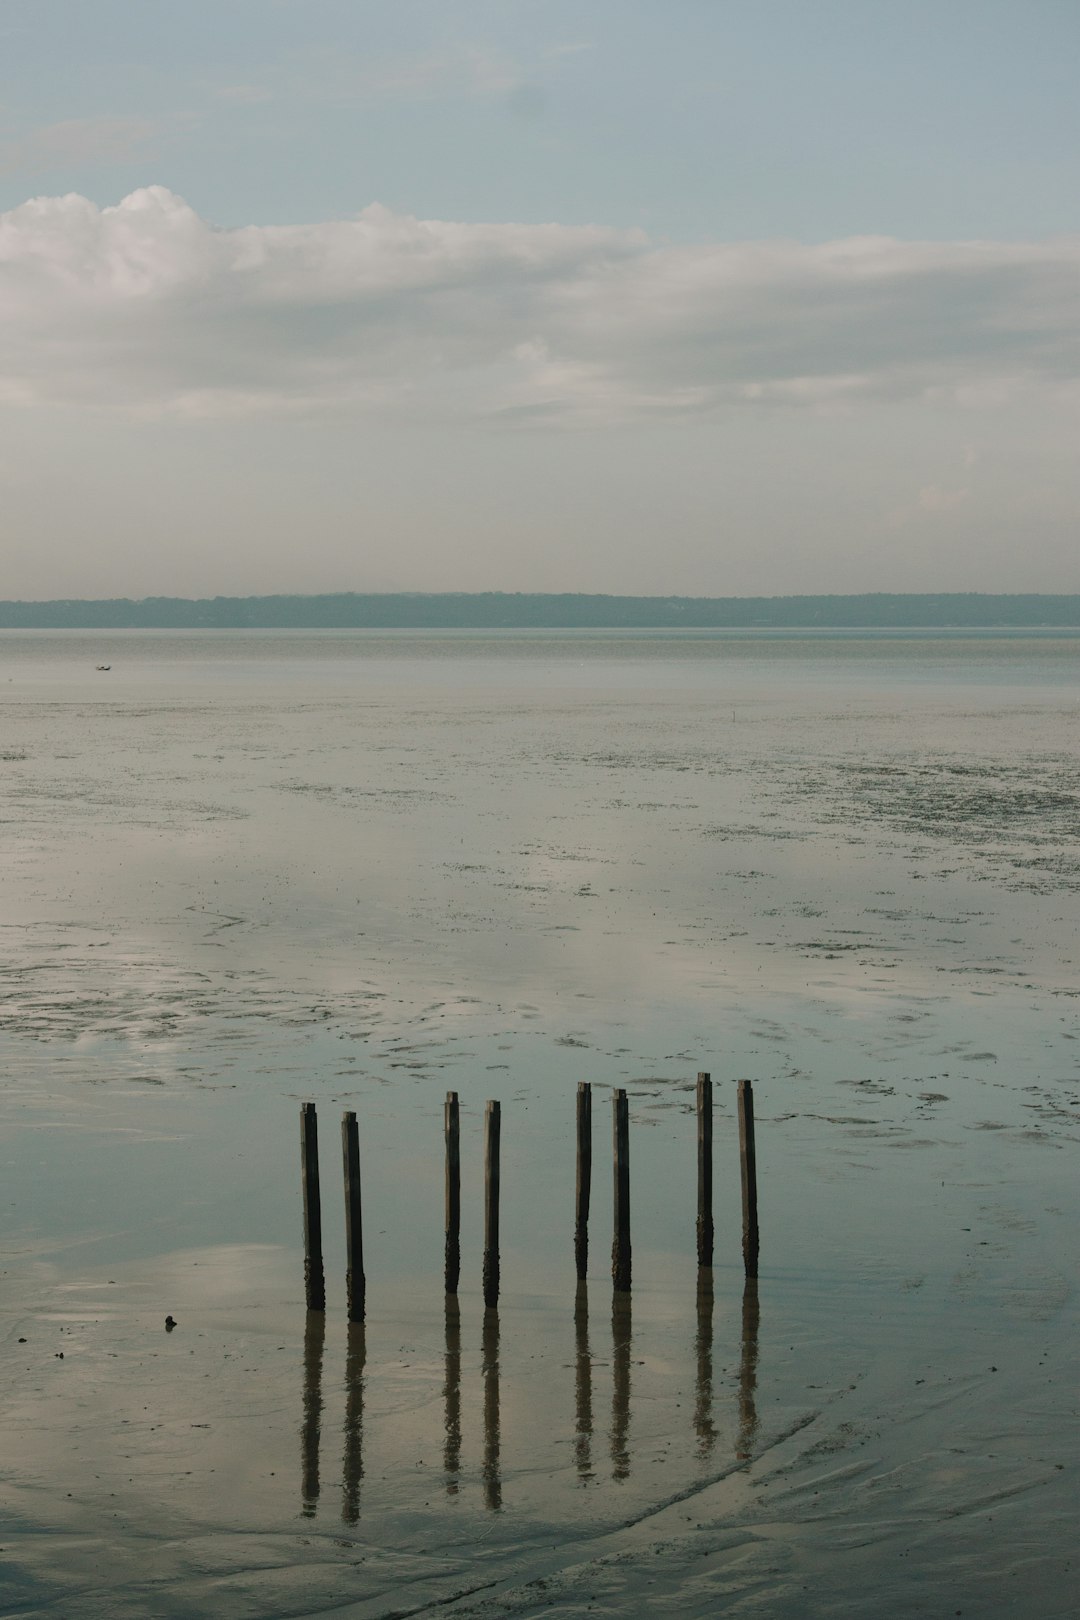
(493, 610)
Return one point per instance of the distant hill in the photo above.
(494, 610)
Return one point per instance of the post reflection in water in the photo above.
(582, 1384)
(621, 1330)
(452, 1396)
(491, 1465)
(352, 1458)
(748, 1361)
(704, 1427)
(490, 1472)
(311, 1412)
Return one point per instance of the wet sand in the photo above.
(243, 872)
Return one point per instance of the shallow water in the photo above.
(242, 870)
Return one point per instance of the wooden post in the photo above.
(704, 1171)
(620, 1247)
(355, 1281)
(452, 1251)
(314, 1277)
(584, 1178)
(492, 1132)
(748, 1165)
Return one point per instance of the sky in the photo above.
(711, 297)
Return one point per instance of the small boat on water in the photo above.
(103, 666)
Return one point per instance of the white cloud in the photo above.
(146, 305)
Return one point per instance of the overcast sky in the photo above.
(708, 296)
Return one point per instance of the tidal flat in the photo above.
(242, 871)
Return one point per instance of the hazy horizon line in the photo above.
(493, 610)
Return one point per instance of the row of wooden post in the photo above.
(314, 1275)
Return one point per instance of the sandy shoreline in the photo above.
(900, 1419)
(232, 1468)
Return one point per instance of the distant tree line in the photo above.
(495, 610)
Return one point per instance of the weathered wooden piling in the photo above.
(452, 1252)
(620, 1246)
(748, 1166)
(314, 1276)
(704, 1170)
(584, 1178)
(355, 1281)
(492, 1133)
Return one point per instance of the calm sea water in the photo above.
(242, 870)
(376, 865)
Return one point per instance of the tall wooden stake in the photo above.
(704, 1171)
(355, 1281)
(620, 1247)
(584, 1178)
(748, 1165)
(492, 1132)
(452, 1131)
(314, 1277)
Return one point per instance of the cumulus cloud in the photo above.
(146, 305)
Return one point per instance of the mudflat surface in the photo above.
(244, 871)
